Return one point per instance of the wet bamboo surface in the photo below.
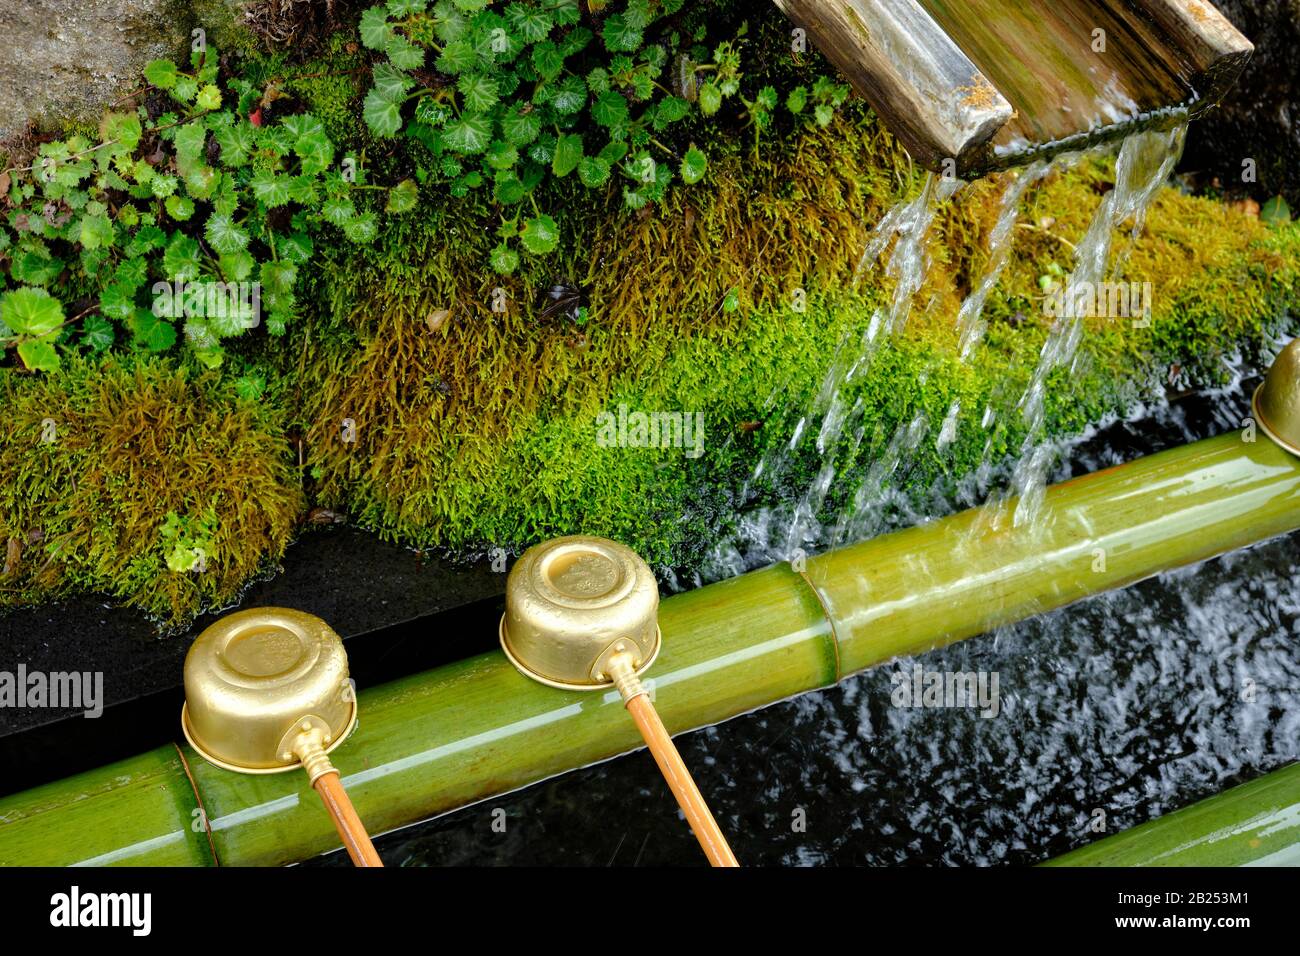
(1040, 54)
(1255, 824)
(432, 742)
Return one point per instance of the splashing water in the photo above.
(865, 517)
(970, 323)
(948, 430)
(1145, 162)
(909, 266)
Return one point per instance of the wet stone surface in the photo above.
(72, 58)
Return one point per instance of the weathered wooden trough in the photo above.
(971, 86)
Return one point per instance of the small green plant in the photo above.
(1275, 211)
(1052, 280)
(187, 542)
(507, 96)
(191, 219)
(825, 97)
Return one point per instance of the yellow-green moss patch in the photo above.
(94, 458)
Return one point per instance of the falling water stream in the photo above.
(1145, 163)
(776, 533)
(970, 318)
(839, 421)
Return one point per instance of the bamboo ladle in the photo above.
(582, 614)
(267, 691)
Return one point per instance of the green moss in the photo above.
(470, 425)
(485, 431)
(94, 457)
(222, 22)
(329, 86)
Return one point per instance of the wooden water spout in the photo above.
(970, 86)
(933, 97)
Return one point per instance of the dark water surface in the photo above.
(1134, 703)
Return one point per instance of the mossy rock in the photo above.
(70, 59)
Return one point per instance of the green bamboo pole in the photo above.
(433, 742)
(1255, 824)
(965, 575)
(137, 812)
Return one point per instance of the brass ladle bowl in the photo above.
(582, 614)
(267, 691)
(255, 678)
(1276, 403)
(572, 604)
